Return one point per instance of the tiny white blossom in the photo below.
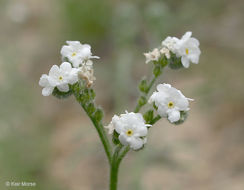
(78, 54)
(188, 49)
(87, 73)
(170, 43)
(169, 102)
(131, 128)
(152, 56)
(47, 88)
(110, 128)
(166, 52)
(58, 77)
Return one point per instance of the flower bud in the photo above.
(143, 86)
(98, 114)
(157, 71)
(163, 61)
(92, 93)
(91, 108)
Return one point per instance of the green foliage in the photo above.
(86, 95)
(115, 138)
(91, 93)
(61, 95)
(142, 101)
(157, 71)
(143, 86)
(154, 106)
(98, 115)
(163, 61)
(91, 108)
(148, 116)
(175, 62)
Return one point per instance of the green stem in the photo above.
(139, 106)
(114, 167)
(103, 136)
(117, 156)
(98, 125)
(158, 117)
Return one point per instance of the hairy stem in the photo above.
(158, 117)
(103, 137)
(114, 167)
(97, 124)
(139, 106)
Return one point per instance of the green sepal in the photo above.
(175, 62)
(115, 138)
(154, 106)
(61, 95)
(163, 61)
(148, 116)
(98, 115)
(84, 96)
(91, 108)
(183, 117)
(143, 85)
(142, 100)
(157, 71)
(92, 93)
(66, 59)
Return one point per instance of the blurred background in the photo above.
(52, 142)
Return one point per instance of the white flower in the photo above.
(170, 43)
(44, 82)
(131, 128)
(166, 52)
(152, 56)
(169, 102)
(86, 73)
(188, 49)
(77, 53)
(110, 127)
(58, 77)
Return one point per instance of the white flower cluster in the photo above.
(187, 48)
(79, 56)
(170, 102)
(131, 128)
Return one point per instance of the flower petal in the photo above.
(123, 139)
(173, 116)
(63, 87)
(185, 61)
(136, 143)
(65, 67)
(54, 71)
(47, 91)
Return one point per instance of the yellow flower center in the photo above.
(170, 104)
(129, 132)
(60, 78)
(187, 51)
(73, 54)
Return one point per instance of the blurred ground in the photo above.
(52, 143)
